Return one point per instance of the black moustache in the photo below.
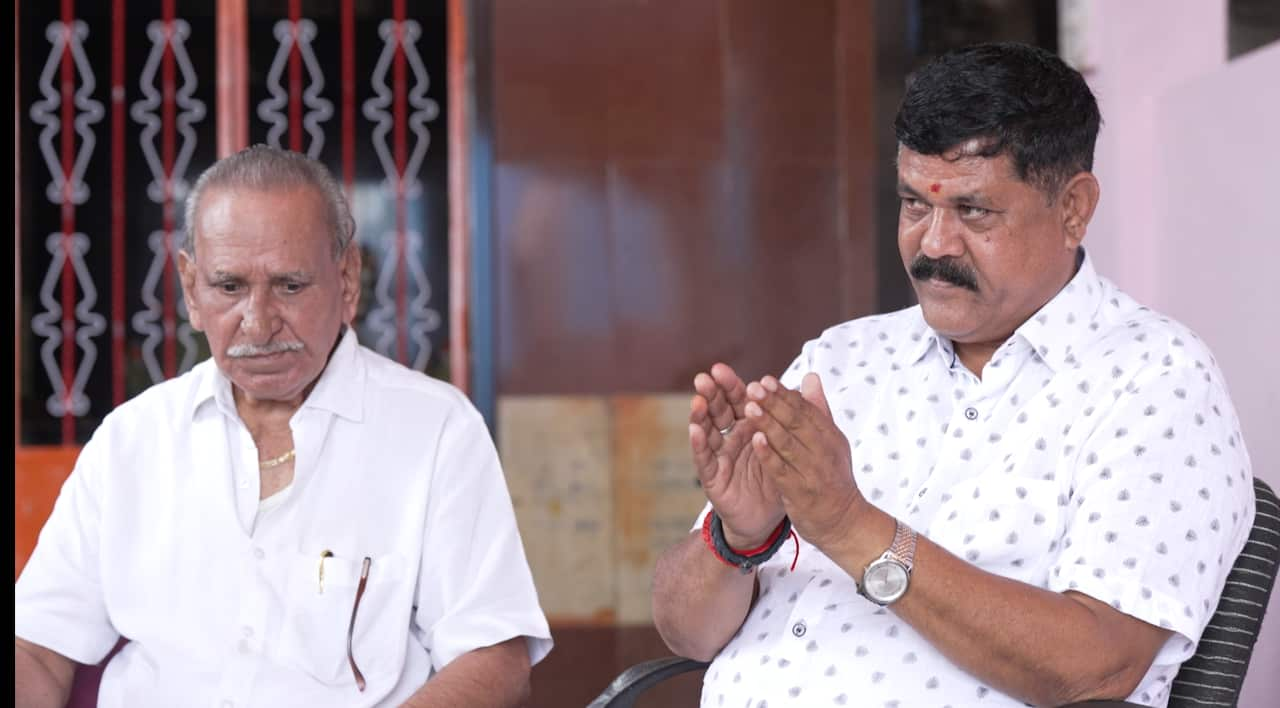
(947, 270)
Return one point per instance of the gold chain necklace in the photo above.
(276, 461)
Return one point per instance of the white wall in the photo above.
(1189, 161)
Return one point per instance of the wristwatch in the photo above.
(887, 577)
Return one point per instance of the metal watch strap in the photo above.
(897, 560)
(904, 544)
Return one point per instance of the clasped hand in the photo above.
(782, 454)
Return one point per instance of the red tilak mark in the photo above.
(935, 188)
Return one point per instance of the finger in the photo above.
(734, 388)
(703, 457)
(783, 440)
(718, 406)
(784, 405)
(805, 415)
(699, 416)
(811, 390)
(772, 464)
(698, 409)
(810, 416)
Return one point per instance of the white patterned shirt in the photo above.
(159, 536)
(1099, 452)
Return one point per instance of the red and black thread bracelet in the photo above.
(713, 536)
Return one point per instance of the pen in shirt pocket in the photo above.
(326, 553)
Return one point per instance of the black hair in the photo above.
(1013, 98)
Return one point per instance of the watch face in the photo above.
(885, 581)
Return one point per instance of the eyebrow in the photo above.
(292, 275)
(970, 199)
(904, 188)
(220, 274)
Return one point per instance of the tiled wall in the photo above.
(601, 485)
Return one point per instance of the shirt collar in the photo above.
(211, 387)
(1066, 320)
(1061, 324)
(925, 340)
(339, 389)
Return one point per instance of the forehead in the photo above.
(958, 165)
(236, 220)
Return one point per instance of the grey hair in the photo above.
(262, 167)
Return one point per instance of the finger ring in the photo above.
(725, 430)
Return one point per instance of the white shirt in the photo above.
(1099, 452)
(157, 537)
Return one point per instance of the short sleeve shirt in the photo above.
(1098, 452)
(158, 537)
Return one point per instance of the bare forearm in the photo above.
(1044, 647)
(491, 677)
(42, 678)
(698, 601)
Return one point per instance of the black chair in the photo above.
(1212, 677)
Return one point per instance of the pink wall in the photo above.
(1188, 159)
(1134, 53)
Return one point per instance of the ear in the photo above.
(1076, 203)
(350, 267)
(187, 274)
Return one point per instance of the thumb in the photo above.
(811, 390)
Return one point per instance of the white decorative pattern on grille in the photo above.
(149, 321)
(48, 324)
(318, 110)
(421, 318)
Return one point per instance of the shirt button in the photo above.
(259, 554)
(971, 413)
(799, 629)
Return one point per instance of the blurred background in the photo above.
(570, 207)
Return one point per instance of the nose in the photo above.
(944, 235)
(259, 320)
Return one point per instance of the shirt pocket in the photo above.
(317, 622)
(1003, 524)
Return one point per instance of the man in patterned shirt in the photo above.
(1028, 488)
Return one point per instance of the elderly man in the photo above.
(1028, 488)
(299, 521)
